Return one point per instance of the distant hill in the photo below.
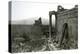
(29, 21)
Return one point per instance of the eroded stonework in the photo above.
(66, 26)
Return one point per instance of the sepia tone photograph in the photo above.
(42, 26)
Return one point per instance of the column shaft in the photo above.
(50, 26)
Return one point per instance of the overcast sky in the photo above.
(22, 10)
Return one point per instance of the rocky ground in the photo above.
(36, 46)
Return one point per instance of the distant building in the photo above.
(38, 22)
(39, 30)
(66, 26)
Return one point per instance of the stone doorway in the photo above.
(65, 37)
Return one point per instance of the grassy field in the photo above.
(26, 38)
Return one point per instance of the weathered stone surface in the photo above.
(70, 17)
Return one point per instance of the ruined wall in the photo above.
(71, 18)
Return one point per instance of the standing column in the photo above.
(56, 23)
(50, 26)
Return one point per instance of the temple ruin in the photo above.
(66, 26)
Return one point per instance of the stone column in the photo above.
(50, 22)
(55, 23)
(50, 26)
